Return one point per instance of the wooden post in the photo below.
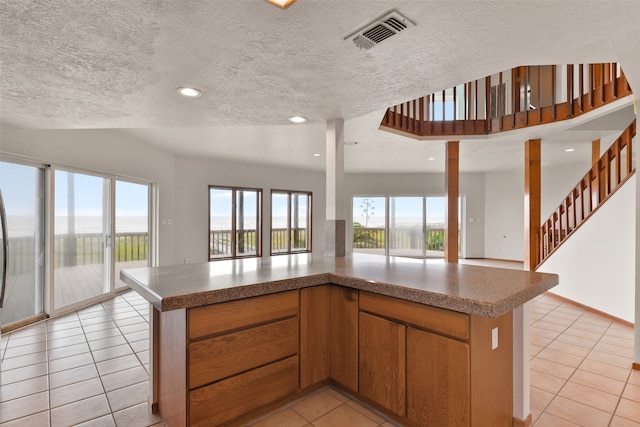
(532, 194)
(595, 151)
(451, 215)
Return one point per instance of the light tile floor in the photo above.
(90, 368)
(581, 367)
(87, 368)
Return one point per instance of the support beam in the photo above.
(453, 189)
(531, 203)
(595, 151)
(521, 364)
(335, 233)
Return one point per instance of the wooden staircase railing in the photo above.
(513, 99)
(604, 178)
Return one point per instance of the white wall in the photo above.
(416, 184)
(105, 151)
(193, 177)
(504, 212)
(504, 215)
(597, 265)
(557, 182)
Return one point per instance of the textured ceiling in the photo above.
(71, 64)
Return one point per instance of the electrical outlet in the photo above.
(494, 338)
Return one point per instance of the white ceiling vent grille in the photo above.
(380, 30)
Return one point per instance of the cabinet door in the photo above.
(382, 362)
(343, 327)
(438, 380)
(314, 335)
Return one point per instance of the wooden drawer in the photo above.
(225, 400)
(227, 316)
(431, 318)
(222, 356)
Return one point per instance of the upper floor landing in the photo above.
(513, 99)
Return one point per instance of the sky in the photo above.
(18, 185)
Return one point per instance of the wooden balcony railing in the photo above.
(608, 174)
(513, 99)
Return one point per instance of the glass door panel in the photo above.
(300, 211)
(279, 223)
(406, 219)
(131, 242)
(80, 227)
(23, 194)
(435, 226)
(247, 238)
(369, 225)
(220, 223)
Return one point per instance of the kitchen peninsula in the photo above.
(425, 342)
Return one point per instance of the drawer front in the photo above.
(218, 318)
(222, 356)
(431, 318)
(225, 400)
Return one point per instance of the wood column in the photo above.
(531, 203)
(595, 151)
(452, 182)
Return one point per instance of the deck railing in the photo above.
(604, 178)
(401, 238)
(76, 249)
(220, 241)
(513, 99)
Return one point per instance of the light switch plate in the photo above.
(494, 338)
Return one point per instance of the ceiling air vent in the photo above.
(380, 30)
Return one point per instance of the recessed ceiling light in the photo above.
(282, 3)
(316, 154)
(190, 92)
(569, 150)
(297, 119)
(432, 158)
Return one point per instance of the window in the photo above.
(290, 222)
(234, 222)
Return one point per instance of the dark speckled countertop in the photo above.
(484, 291)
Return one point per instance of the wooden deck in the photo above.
(71, 286)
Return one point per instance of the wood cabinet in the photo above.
(422, 365)
(222, 361)
(343, 324)
(438, 380)
(314, 336)
(382, 362)
(434, 367)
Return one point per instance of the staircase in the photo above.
(604, 178)
(513, 99)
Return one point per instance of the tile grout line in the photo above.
(104, 391)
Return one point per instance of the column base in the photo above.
(334, 237)
(520, 423)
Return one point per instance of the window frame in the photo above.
(234, 192)
(309, 217)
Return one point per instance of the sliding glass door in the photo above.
(131, 242)
(411, 226)
(22, 189)
(101, 226)
(80, 234)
